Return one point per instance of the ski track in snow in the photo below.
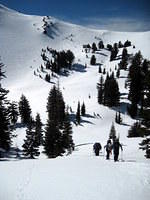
(21, 193)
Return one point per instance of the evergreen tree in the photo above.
(118, 118)
(78, 116)
(118, 73)
(132, 110)
(127, 43)
(100, 88)
(53, 140)
(145, 66)
(111, 92)
(56, 106)
(146, 146)
(124, 53)
(94, 47)
(112, 134)
(109, 47)
(135, 80)
(135, 131)
(141, 129)
(30, 148)
(24, 110)
(67, 135)
(100, 70)
(120, 45)
(112, 76)
(93, 60)
(54, 144)
(124, 62)
(101, 45)
(5, 140)
(47, 78)
(70, 58)
(13, 112)
(104, 71)
(83, 111)
(38, 130)
(114, 52)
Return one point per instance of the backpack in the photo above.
(109, 147)
(97, 146)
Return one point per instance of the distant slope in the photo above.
(81, 175)
(22, 39)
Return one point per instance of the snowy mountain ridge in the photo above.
(80, 175)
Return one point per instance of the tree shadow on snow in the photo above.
(19, 125)
(89, 116)
(102, 54)
(13, 153)
(78, 68)
(86, 121)
(72, 117)
(122, 108)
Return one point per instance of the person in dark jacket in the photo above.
(108, 148)
(97, 147)
(116, 146)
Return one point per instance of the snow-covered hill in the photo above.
(81, 175)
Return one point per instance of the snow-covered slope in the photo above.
(81, 175)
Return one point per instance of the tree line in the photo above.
(108, 91)
(114, 49)
(60, 59)
(138, 83)
(57, 134)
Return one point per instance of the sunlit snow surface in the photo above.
(80, 176)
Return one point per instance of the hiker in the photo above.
(116, 146)
(97, 147)
(108, 147)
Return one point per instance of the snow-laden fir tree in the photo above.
(24, 110)
(67, 135)
(5, 140)
(118, 73)
(112, 134)
(135, 81)
(56, 106)
(30, 148)
(101, 45)
(13, 112)
(78, 114)
(135, 130)
(124, 61)
(56, 115)
(38, 130)
(94, 47)
(53, 140)
(100, 88)
(99, 69)
(56, 126)
(83, 110)
(114, 52)
(118, 118)
(111, 92)
(93, 60)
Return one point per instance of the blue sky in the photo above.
(123, 15)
